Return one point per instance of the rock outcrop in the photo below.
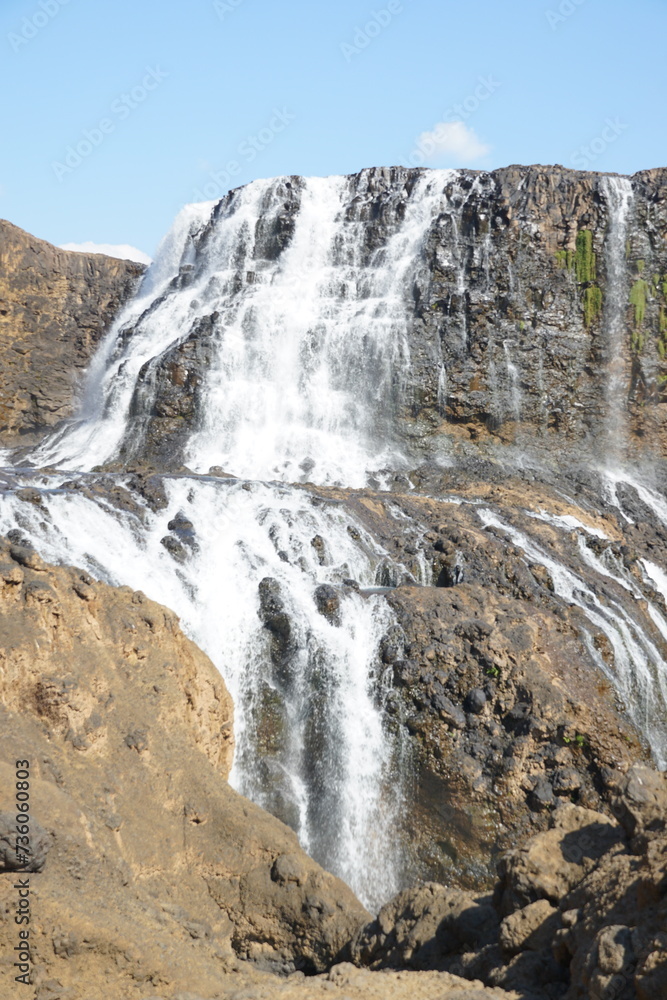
(578, 912)
(507, 709)
(55, 307)
(526, 277)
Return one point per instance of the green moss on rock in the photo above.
(592, 304)
(585, 261)
(638, 341)
(565, 259)
(638, 298)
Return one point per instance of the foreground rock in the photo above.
(579, 911)
(149, 865)
(54, 308)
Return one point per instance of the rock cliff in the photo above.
(412, 543)
(54, 308)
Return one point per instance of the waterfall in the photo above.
(618, 195)
(310, 342)
(307, 325)
(442, 389)
(312, 743)
(300, 295)
(638, 671)
(514, 385)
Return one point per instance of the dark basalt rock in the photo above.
(276, 619)
(327, 600)
(40, 845)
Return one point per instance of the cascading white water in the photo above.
(329, 771)
(309, 348)
(311, 345)
(309, 312)
(618, 194)
(638, 671)
(100, 425)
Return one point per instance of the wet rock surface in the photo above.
(496, 686)
(509, 333)
(518, 672)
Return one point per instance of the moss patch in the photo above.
(585, 261)
(638, 298)
(565, 259)
(592, 303)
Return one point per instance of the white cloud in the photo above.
(124, 250)
(451, 140)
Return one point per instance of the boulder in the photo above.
(640, 805)
(40, 845)
(549, 865)
(426, 928)
(531, 928)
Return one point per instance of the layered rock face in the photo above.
(496, 614)
(495, 670)
(55, 307)
(413, 547)
(545, 291)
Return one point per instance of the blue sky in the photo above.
(187, 89)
